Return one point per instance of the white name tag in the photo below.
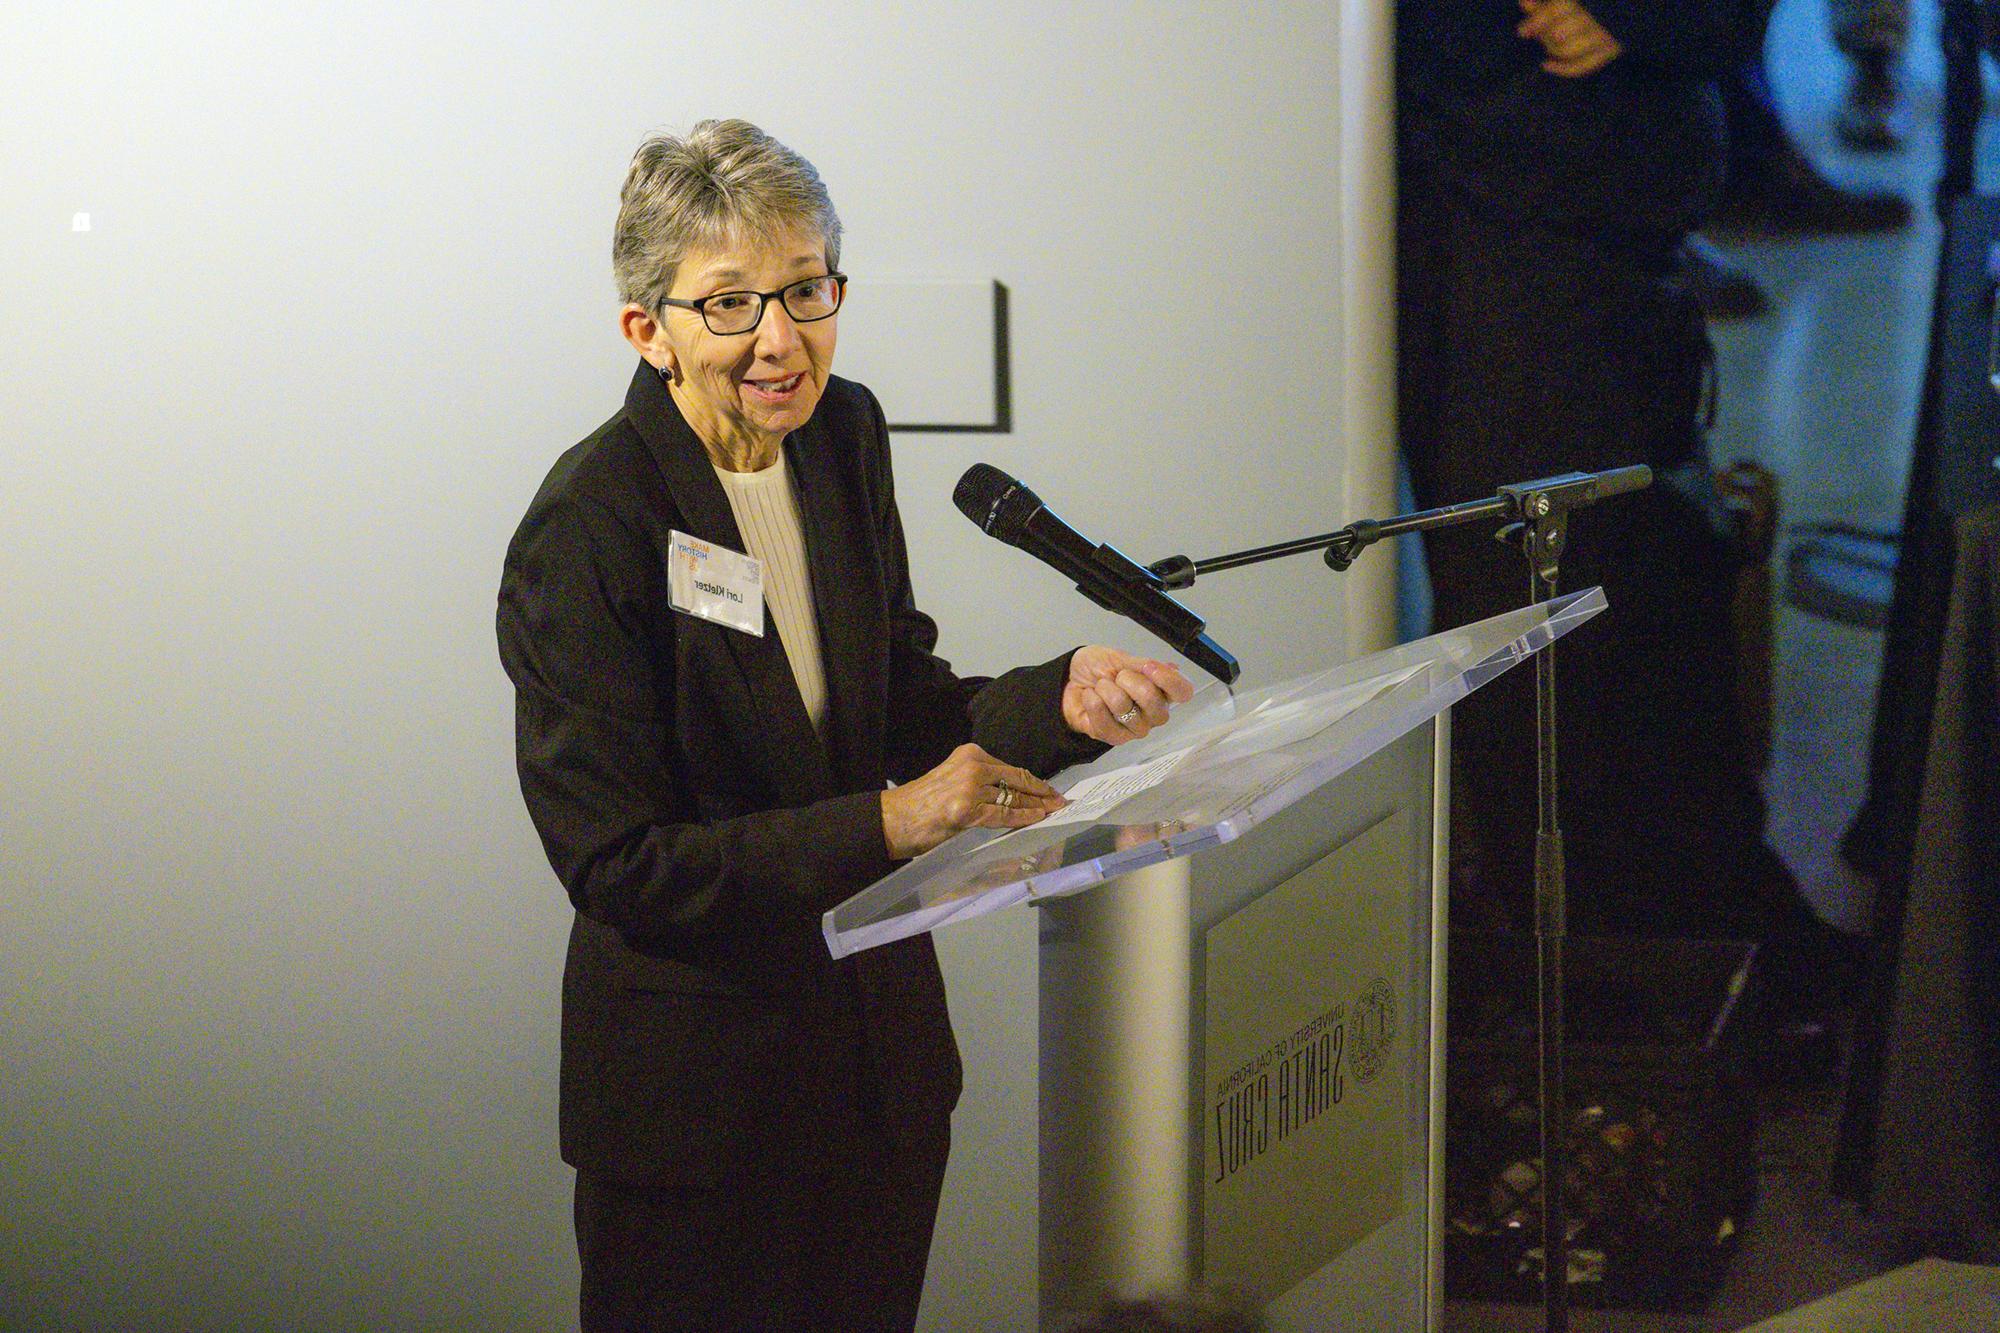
(715, 583)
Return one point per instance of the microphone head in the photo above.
(1000, 505)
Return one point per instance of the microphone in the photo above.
(1004, 508)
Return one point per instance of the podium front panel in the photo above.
(1324, 934)
(1307, 1060)
(1238, 1062)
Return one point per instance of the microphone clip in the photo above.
(1541, 509)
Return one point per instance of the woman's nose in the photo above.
(777, 333)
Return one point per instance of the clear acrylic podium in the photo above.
(1241, 1051)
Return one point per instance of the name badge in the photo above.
(715, 583)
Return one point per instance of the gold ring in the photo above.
(1125, 718)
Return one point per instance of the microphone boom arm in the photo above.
(1546, 502)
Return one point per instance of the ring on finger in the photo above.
(1125, 718)
(1006, 797)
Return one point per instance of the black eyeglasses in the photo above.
(806, 300)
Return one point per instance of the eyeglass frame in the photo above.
(763, 304)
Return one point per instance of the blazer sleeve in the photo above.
(1016, 717)
(594, 750)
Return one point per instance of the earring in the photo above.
(666, 375)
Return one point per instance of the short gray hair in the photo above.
(725, 180)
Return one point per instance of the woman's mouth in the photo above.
(774, 391)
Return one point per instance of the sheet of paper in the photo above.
(1093, 797)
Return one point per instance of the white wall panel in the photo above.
(278, 948)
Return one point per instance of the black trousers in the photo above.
(834, 1244)
(1526, 350)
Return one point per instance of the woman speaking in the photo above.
(719, 670)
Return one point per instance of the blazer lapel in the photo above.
(793, 753)
(854, 632)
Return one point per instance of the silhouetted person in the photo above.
(1550, 169)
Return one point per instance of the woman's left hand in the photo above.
(1115, 697)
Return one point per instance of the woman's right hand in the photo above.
(971, 789)
(1576, 43)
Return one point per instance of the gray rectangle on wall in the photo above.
(934, 350)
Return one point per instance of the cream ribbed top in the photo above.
(766, 506)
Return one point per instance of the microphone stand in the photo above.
(1536, 516)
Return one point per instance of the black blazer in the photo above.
(701, 826)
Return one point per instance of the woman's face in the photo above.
(744, 392)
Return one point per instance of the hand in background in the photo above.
(970, 789)
(1115, 697)
(1577, 43)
